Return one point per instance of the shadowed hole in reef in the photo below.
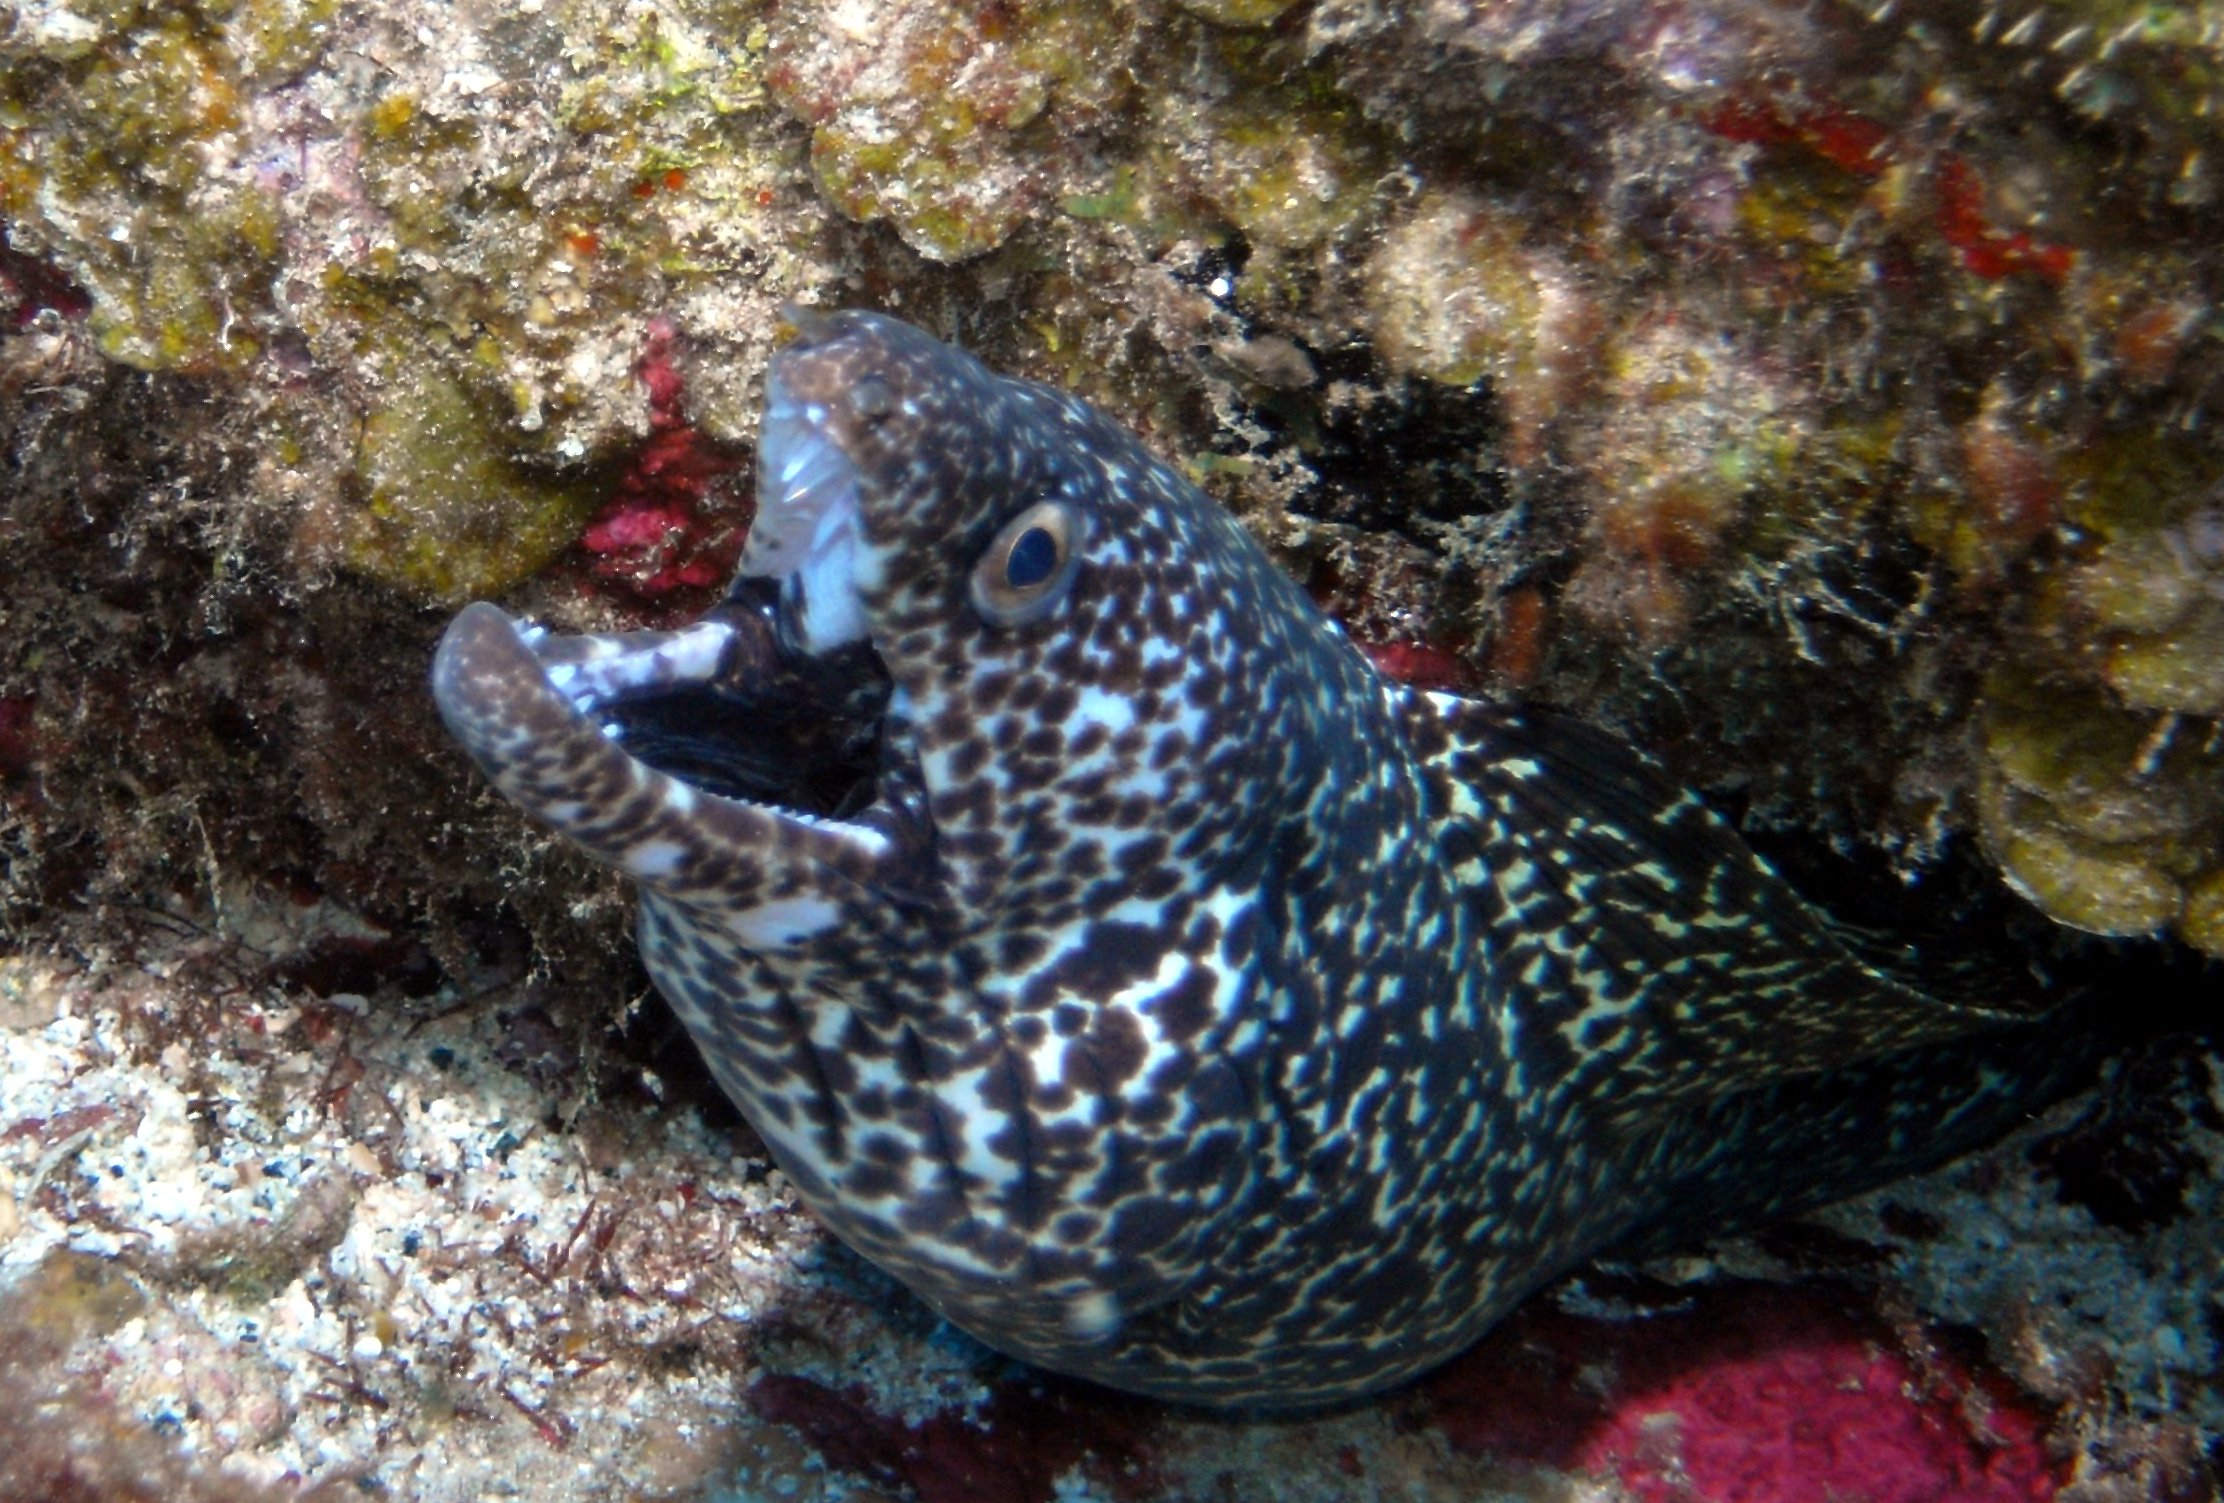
(1419, 450)
(1955, 916)
(1384, 450)
(2125, 1158)
(650, 1057)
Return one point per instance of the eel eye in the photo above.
(1026, 569)
(871, 399)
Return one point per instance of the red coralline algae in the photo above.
(1746, 1395)
(62, 1126)
(669, 528)
(1857, 145)
(1990, 252)
(1419, 665)
(29, 287)
(1839, 136)
(1025, 1439)
(19, 748)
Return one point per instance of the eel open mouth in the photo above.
(771, 706)
(729, 707)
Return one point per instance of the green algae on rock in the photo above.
(2099, 813)
(626, 171)
(1274, 148)
(1238, 12)
(121, 145)
(2179, 669)
(448, 514)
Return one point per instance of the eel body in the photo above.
(1105, 949)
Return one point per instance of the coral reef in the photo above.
(1823, 395)
(1735, 301)
(952, 122)
(1842, 336)
(161, 236)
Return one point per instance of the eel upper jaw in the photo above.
(806, 536)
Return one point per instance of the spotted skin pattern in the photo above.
(1179, 1004)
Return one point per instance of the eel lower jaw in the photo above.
(537, 711)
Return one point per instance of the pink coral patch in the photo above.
(1746, 1395)
(670, 533)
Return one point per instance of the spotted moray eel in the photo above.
(1103, 948)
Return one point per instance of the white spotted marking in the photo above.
(654, 859)
(1094, 706)
(1094, 1316)
(783, 921)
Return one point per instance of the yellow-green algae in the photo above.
(448, 515)
(1278, 151)
(68, 1295)
(627, 167)
(2203, 923)
(948, 122)
(1238, 12)
(2153, 582)
(2180, 668)
(485, 272)
(527, 250)
(2104, 816)
(2102, 787)
(956, 127)
(119, 142)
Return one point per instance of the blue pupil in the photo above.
(1033, 557)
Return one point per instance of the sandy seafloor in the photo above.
(371, 1247)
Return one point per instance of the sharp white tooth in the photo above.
(530, 633)
(561, 676)
(612, 730)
